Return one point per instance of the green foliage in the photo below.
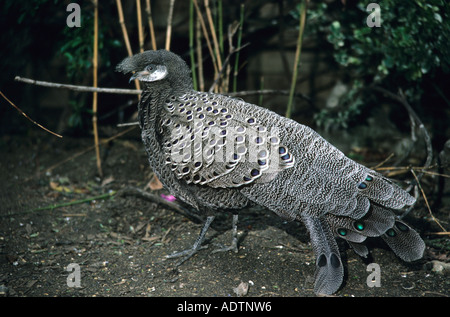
(412, 42)
(77, 45)
(77, 48)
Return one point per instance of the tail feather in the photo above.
(384, 192)
(404, 241)
(329, 272)
(359, 248)
(376, 222)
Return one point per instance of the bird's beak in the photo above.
(138, 75)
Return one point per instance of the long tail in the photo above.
(378, 222)
(329, 272)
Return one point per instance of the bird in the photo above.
(221, 154)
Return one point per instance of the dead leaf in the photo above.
(107, 180)
(154, 183)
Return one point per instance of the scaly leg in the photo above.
(233, 246)
(197, 245)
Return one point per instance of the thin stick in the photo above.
(213, 34)
(125, 36)
(150, 23)
(267, 92)
(169, 25)
(78, 88)
(70, 203)
(222, 70)
(128, 124)
(124, 28)
(95, 100)
(446, 233)
(89, 149)
(238, 44)
(205, 33)
(137, 92)
(402, 100)
(384, 161)
(191, 45)
(25, 115)
(140, 29)
(303, 8)
(198, 44)
(426, 201)
(220, 26)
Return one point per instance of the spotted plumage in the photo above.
(220, 153)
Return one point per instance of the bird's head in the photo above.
(159, 66)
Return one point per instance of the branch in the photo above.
(267, 92)
(402, 100)
(137, 92)
(224, 66)
(78, 88)
(25, 115)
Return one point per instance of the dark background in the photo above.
(120, 242)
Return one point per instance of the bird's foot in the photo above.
(233, 247)
(197, 245)
(186, 254)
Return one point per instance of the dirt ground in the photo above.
(119, 244)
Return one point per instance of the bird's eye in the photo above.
(149, 68)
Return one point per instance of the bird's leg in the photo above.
(197, 244)
(233, 246)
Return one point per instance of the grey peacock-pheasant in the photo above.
(218, 153)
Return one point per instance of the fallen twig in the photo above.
(133, 191)
(25, 115)
(70, 203)
(426, 201)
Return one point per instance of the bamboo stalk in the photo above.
(150, 23)
(213, 34)
(303, 7)
(124, 28)
(239, 40)
(169, 25)
(205, 33)
(94, 101)
(140, 29)
(191, 44)
(220, 25)
(125, 36)
(198, 40)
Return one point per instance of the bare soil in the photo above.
(120, 243)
